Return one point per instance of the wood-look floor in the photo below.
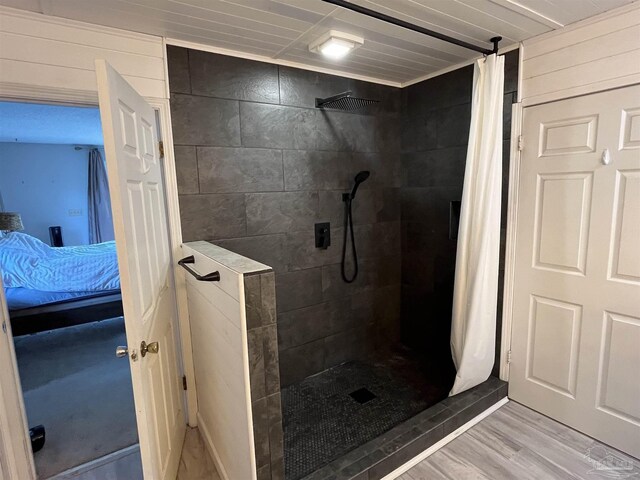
(196, 463)
(512, 443)
(518, 443)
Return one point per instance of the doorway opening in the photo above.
(61, 282)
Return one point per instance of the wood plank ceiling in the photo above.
(281, 30)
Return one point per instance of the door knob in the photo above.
(121, 351)
(148, 348)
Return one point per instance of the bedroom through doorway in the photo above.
(61, 283)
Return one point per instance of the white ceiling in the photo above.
(52, 124)
(282, 29)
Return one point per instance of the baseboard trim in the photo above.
(98, 462)
(438, 445)
(208, 441)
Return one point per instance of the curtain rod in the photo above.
(88, 147)
(416, 28)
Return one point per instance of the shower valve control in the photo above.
(323, 235)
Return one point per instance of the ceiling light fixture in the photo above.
(336, 45)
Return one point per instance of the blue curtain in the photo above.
(100, 220)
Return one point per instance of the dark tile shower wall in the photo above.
(258, 166)
(436, 116)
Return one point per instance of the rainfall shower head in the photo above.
(360, 177)
(344, 101)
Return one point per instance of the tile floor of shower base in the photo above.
(328, 415)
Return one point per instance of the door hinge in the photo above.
(508, 357)
(520, 143)
(184, 382)
(161, 148)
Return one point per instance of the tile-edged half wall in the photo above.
(232, 337)
(225, 314)
(258, 166)
(264, 376)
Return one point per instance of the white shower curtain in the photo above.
(473, 328)
(100, 222)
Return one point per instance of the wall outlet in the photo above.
(75, 212)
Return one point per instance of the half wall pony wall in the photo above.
(258, 166)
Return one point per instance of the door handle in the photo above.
(209, 277)
(148, 348)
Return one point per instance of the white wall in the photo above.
(596, 54)
(56, 56)
(43, 182)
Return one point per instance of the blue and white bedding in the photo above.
(27, 262)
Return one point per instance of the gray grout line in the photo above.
(198, 169)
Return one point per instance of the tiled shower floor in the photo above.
(322, 421)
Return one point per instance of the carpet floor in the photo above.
(74, 385)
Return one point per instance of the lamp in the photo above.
(10, 221)
(336, 45)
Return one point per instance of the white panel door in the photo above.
(576, 312)
(148, 296)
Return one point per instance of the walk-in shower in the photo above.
(364, 368)
(348, 198)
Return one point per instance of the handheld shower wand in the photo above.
(360, 177)
(347, 198)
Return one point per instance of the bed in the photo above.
(49, 287)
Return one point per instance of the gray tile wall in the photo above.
(258, 165)
(264, 375)
(434, 143)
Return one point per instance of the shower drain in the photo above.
(362, 395)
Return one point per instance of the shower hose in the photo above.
(348, 227)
